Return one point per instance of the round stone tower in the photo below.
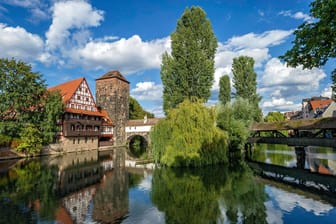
(112, 94)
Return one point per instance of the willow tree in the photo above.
(224, 89)
(245, 82)
(188, 72)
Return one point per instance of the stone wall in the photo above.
(76, 144)
(112, 94)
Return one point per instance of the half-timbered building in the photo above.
(83, 125)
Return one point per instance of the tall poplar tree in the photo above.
(245, 82)
(224, 89)
(189, 71)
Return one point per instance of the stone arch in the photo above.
(144, 142)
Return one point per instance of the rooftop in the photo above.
(113, 74)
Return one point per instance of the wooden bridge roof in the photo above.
(303, 124)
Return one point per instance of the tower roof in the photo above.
(113, 74)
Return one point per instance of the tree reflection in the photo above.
(205, 195)
(187, 196)
(242, 194)
(29, 187)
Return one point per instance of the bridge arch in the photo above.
(137, 144)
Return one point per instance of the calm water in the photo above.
(82, 188)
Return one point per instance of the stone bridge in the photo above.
(140, 128)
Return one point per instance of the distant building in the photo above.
(83, 124)
(315, 106)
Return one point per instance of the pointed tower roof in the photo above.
(68, 89)
(113, 74)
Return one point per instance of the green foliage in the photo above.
(274, 117)
(202, 195)
(5, 140)
(188, 196)
(136, 111)
(21, 95)
(25, 100)
(52, 112)
(315, 42)
(31, 140)
(244, 196)
(333, 87)
(189, 137)
(224, 89)
(235, 119)
(138, 146)
(189, 71)
(27, 183)
(245, 82)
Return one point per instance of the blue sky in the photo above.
(64, 40)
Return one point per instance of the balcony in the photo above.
(80, 133)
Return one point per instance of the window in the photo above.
(72, 105)
(87, 99)
(80, 89)
(73, 141)
(78, 97)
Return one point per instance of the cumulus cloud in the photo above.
(252, 45)
(263, 40)
(17, 42)
(327, 91)
(127, 55)
(147, 91)
(64, 20)
(297, 15)
(282, 86)
(288, 201)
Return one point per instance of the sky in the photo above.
(65, 40)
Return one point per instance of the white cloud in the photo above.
(284, 87)
(252, 45)
(280, 104)
(297, 15)
(17, 42)
(263, 40)
(37, 8)
(327, 91)
(288, 201)
(147, 91)
(277, 73)
(70, 15)
(127, 55)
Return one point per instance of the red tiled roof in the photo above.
(68, 89)
(86, 112)
(320, 104)
(113, 74)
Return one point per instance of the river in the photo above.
(91, 188)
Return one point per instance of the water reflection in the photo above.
(317, 159)
(85, 188)
(209, 195)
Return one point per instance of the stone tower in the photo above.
(112, 94)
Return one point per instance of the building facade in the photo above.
(82, 121)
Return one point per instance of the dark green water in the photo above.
(84, 188)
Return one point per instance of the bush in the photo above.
(236, 119)
(5, 140)
(189, 137)
(31, 140)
